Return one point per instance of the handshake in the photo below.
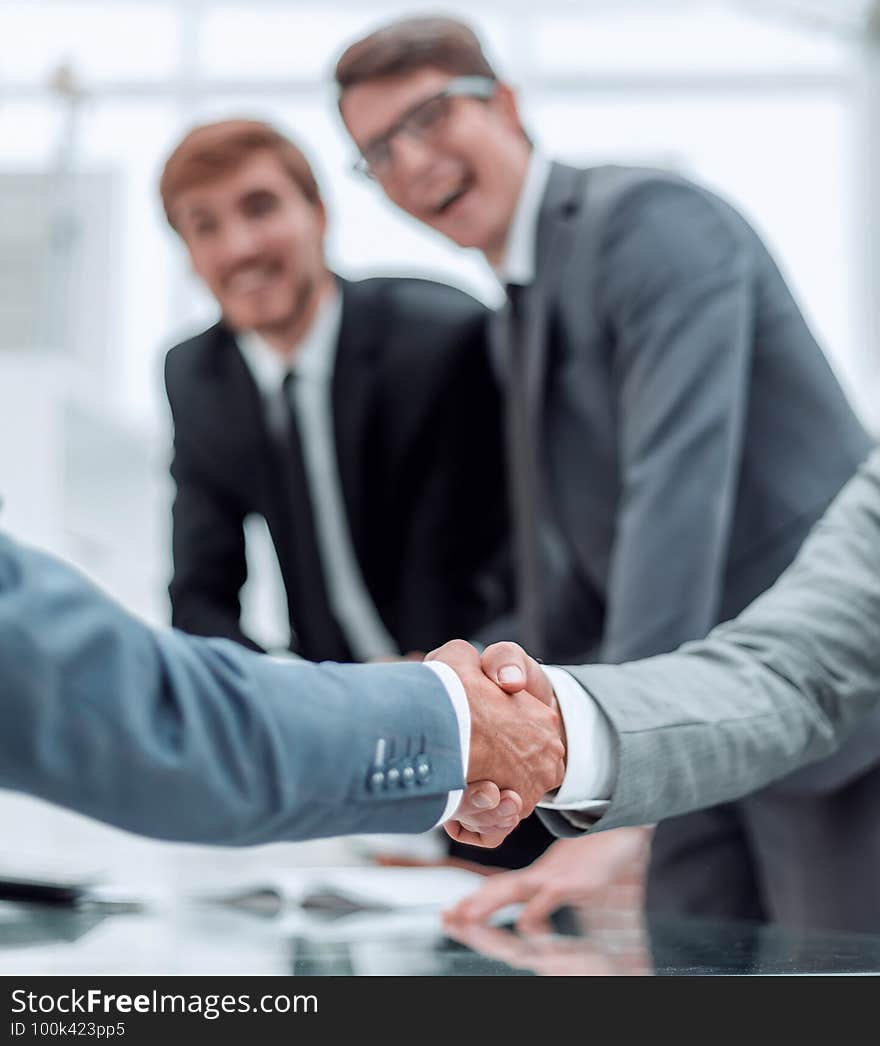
(517, 744)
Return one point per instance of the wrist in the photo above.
(479, 756)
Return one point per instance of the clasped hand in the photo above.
(517, 744)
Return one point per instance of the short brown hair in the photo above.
(215, 149)
(413, 43)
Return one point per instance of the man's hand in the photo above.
(606, 870)
(485, 815)
(512, 669)
(517, 740)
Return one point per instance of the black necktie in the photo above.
(319, 637)
(522, 462)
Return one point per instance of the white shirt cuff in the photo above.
(591, 765)
(458, 697)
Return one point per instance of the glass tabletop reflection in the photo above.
(201, 938)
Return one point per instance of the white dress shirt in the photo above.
(591, 768)
(520, 250)
(313, 364)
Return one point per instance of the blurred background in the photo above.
(774, 103)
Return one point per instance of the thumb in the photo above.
(479, 796)
(508, 665)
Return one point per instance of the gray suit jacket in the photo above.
(785, 683)
(690, 427)
(197, 739)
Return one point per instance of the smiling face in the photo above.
(464, 177)
(257, 242)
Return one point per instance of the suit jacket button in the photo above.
(423, 770)
(409, 775)
(377, 780)
(393, 776)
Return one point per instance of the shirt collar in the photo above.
(315, 355)
(519, 262)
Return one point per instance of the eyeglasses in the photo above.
(424, 122)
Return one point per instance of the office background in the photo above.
(775, 104)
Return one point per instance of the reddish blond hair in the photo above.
(217, 149)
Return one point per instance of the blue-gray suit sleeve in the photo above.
(677, 285)
(194, 739)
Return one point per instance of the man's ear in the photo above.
(340, 108)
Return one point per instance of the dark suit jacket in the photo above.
(417, 436)
(691, 428)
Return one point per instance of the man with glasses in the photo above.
(344, 413)
(425, 120)
(673, 431)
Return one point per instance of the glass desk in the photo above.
(190, 938)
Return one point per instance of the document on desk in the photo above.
(359, 889)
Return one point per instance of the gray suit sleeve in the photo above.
(782, 685)
(184, 738)
(677, 286)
